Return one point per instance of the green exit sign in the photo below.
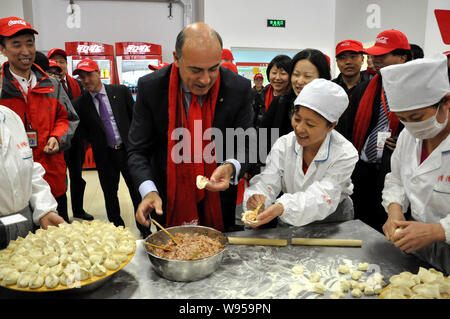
(276, 23)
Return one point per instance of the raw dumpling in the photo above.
(24, 279)
(51, 281)
(249, 216)
(314, 277)
(37, 281)
(98, 270)
(202, 181)
(343, 269)
(119, 257)
(96, 259)
(111, 264)
(427, 290)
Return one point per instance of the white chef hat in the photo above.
(416, 84)
(325, 97)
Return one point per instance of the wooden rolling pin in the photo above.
(257, 241)
(326, 242)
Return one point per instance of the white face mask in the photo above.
(426, 129)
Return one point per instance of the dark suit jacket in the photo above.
(147, 152)
(91, 125)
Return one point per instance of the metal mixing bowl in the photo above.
(185, 270)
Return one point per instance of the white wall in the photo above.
(11, 8)
(433, 39)
(309, 24)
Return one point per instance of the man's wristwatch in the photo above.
(234, 169)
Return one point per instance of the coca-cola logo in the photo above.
(345, 44)
(13, 22)
(86, 49)
(139, 49)
(382, 40)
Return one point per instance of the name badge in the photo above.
(32, 138)
(381, 139)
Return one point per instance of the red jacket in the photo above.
(51, 114)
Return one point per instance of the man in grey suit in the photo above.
(105, 113)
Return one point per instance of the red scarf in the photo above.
(182, 193)
(269, 96)
(76, 91)
(364, 114)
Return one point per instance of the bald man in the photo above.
(177, 107)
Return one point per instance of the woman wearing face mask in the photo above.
(311, 165)
(420, 176)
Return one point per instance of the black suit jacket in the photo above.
(147, 152)
(121, 101)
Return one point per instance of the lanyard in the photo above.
(388, 113)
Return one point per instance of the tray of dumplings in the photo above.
(426, 284)
(66, 256)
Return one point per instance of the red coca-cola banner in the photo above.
(88, 48)
(137, 48)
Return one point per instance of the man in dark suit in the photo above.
(105, 113)
(194, 89)
(75, 155)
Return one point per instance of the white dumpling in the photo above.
(22, 264)
(402, 280)
(5, 270)
(127, 249)
(24, 279)
(119, 257)
(98, 270)
(52, 260)
(44, 270)
(33, 267)
(96, 259)
(51, 281)
(57, 270)
(111, 264)
(428, 290)
(37, 281)
(11, 277)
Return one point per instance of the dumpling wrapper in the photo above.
(202, 181)
(249, 216)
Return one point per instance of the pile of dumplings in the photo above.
(65, 255)
(426, 284)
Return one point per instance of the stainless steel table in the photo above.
(259, 271)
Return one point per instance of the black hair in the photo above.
(317, 58)
(181, 38)
(416, 51)
(281, 62)
(21, 32)
(42, 60)
(402, 52)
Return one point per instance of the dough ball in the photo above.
(354, 284)
(314, 277)
(363, 266)
(356, 275)
(356, 293)
(369, 291)
(343, 269)
(345, 285)
(202, 181)
(319, 289)
(298, 269)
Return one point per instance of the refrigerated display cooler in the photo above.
(101, 53)
(132, 60)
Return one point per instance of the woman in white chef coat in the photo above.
(25, 197)
(419, 94)
(311, 165)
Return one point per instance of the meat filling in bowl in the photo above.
(190, 247)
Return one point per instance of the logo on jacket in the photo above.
(443, 178)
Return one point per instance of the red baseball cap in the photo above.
(230, 66)
(11, 25)
(388, 41)
(54, 64)
(56, 51)
(227, 55)
(157, 67)
(349, 45)
(258, 76)
(87, 65)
